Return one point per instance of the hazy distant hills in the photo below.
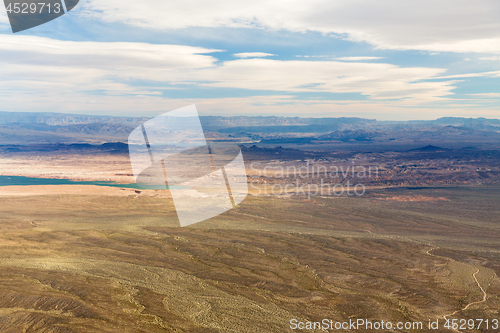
(86, 128)
(18, 128)
(62, 119)
(465, 121)
(53, 128)
(243, 123)
(210, 121)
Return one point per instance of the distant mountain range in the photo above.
(20, 128)
(63, 119)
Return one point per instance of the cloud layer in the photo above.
(39, 64)
(428, 25)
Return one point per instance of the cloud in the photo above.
(42, 74)
(428, 25)
(39, 63)
(490, 58)
(477, 45)
(46, 51)
(253, 55)
(313, 56)
(486, 95)
(4, 19)
(470, 75)
(358, 58)
(108, 66)
(378, 81)
(137, 105)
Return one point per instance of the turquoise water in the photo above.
(25, 181)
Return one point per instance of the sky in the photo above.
(386, 59)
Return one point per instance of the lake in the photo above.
(26, 181)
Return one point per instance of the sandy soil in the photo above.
(405, 198)
(75, 167)
(65, 189)
(76, 189)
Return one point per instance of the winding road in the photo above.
(485, 295)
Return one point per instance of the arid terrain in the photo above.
(82, 258)
(421, 243)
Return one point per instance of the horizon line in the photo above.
(244, 116)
